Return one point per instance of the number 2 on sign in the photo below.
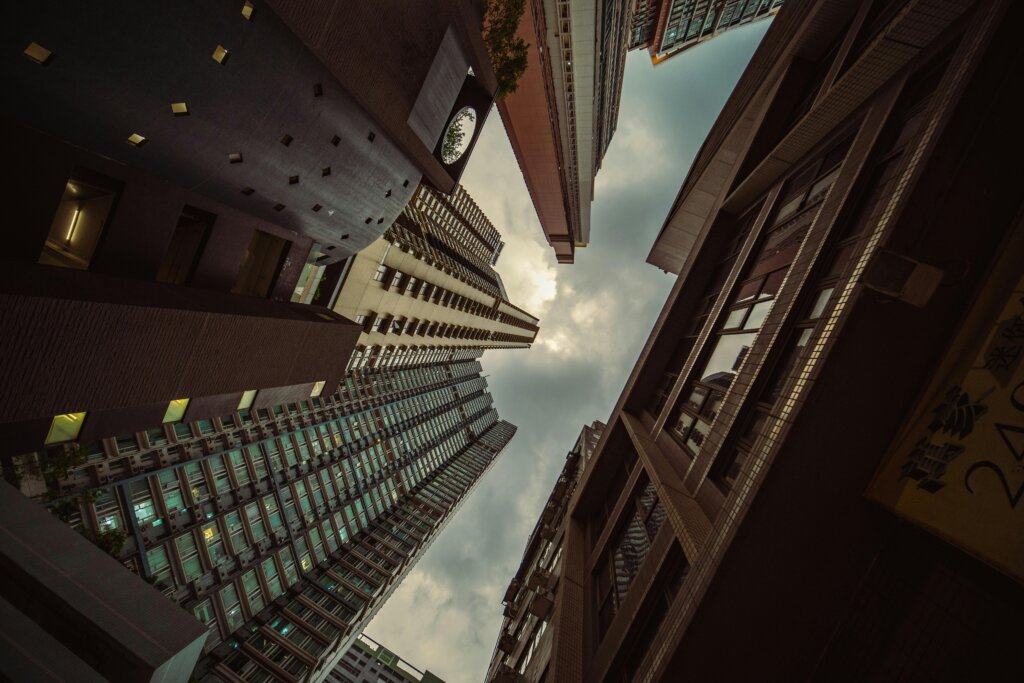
(1011, 497)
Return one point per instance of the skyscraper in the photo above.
(220, 159)
(667, 27)
(367, 661)
(430, 281)
(562, 117)
(813, 472)
(523, 650)
(284, 529)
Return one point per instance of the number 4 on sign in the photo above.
(1013, 437)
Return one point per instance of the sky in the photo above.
(595, 316)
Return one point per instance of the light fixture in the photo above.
(71, 230)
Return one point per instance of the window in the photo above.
(232, 606)
(188, 555)
(754, 297)
(248, 397)
(182, 256)
(261, 264)
(621, 562)
(175, 410)
(81, 215)
(382, 272)
(650, 616)
(65, 428)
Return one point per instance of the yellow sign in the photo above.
(957, 467)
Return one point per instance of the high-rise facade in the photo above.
(667, 27)
(813, 472)
(523, 650)
(367, 661)
(283, 530)
(562, 117)
(221, 161)
(430, 281)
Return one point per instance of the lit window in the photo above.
(247, 398)
(220, 54)
(176, 410)
(136, 140)
(247, 10)
(38, 54)
(65, 428)
(317, 388)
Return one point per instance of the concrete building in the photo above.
(523, 650)
(367, 661)
(429, 281)
(813, 471)
(667, 27)
(219, 161)
(562, 117)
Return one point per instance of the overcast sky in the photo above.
(595, 317)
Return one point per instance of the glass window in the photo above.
(232, 607)
(65, 428)
(236, 532)
(214, 543)
(253, 592)
(159, 567)
(188, 555)
(255, 519)
(175, 410)
(142, 501)
(269, 568)
(197, 482)
(78, 223)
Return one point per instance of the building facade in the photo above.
(668, 27)
(523, 650)
(222, 160)
(562, 117)
(367, 661)
(283, 530)
(430, 281)
(813, 470)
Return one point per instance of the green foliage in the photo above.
(65, 509)
(507, 51)
(454, 136)
(110, 541)
(56, 466)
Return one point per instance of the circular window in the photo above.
(457, 135)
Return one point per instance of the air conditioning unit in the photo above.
(902, 278)
(507, 643)
(506, 674)
(512, 591)
(539, 579)
(541, 604)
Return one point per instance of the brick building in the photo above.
(562, 117)
(813, 470)
(523, 649)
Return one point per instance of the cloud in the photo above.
(595, 317)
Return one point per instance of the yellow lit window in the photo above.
(247, 398)
(317, 388)
(38, 54)
(176, 410)
(247, 10)
(65, 428)
(220, 54)
(209, 532)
